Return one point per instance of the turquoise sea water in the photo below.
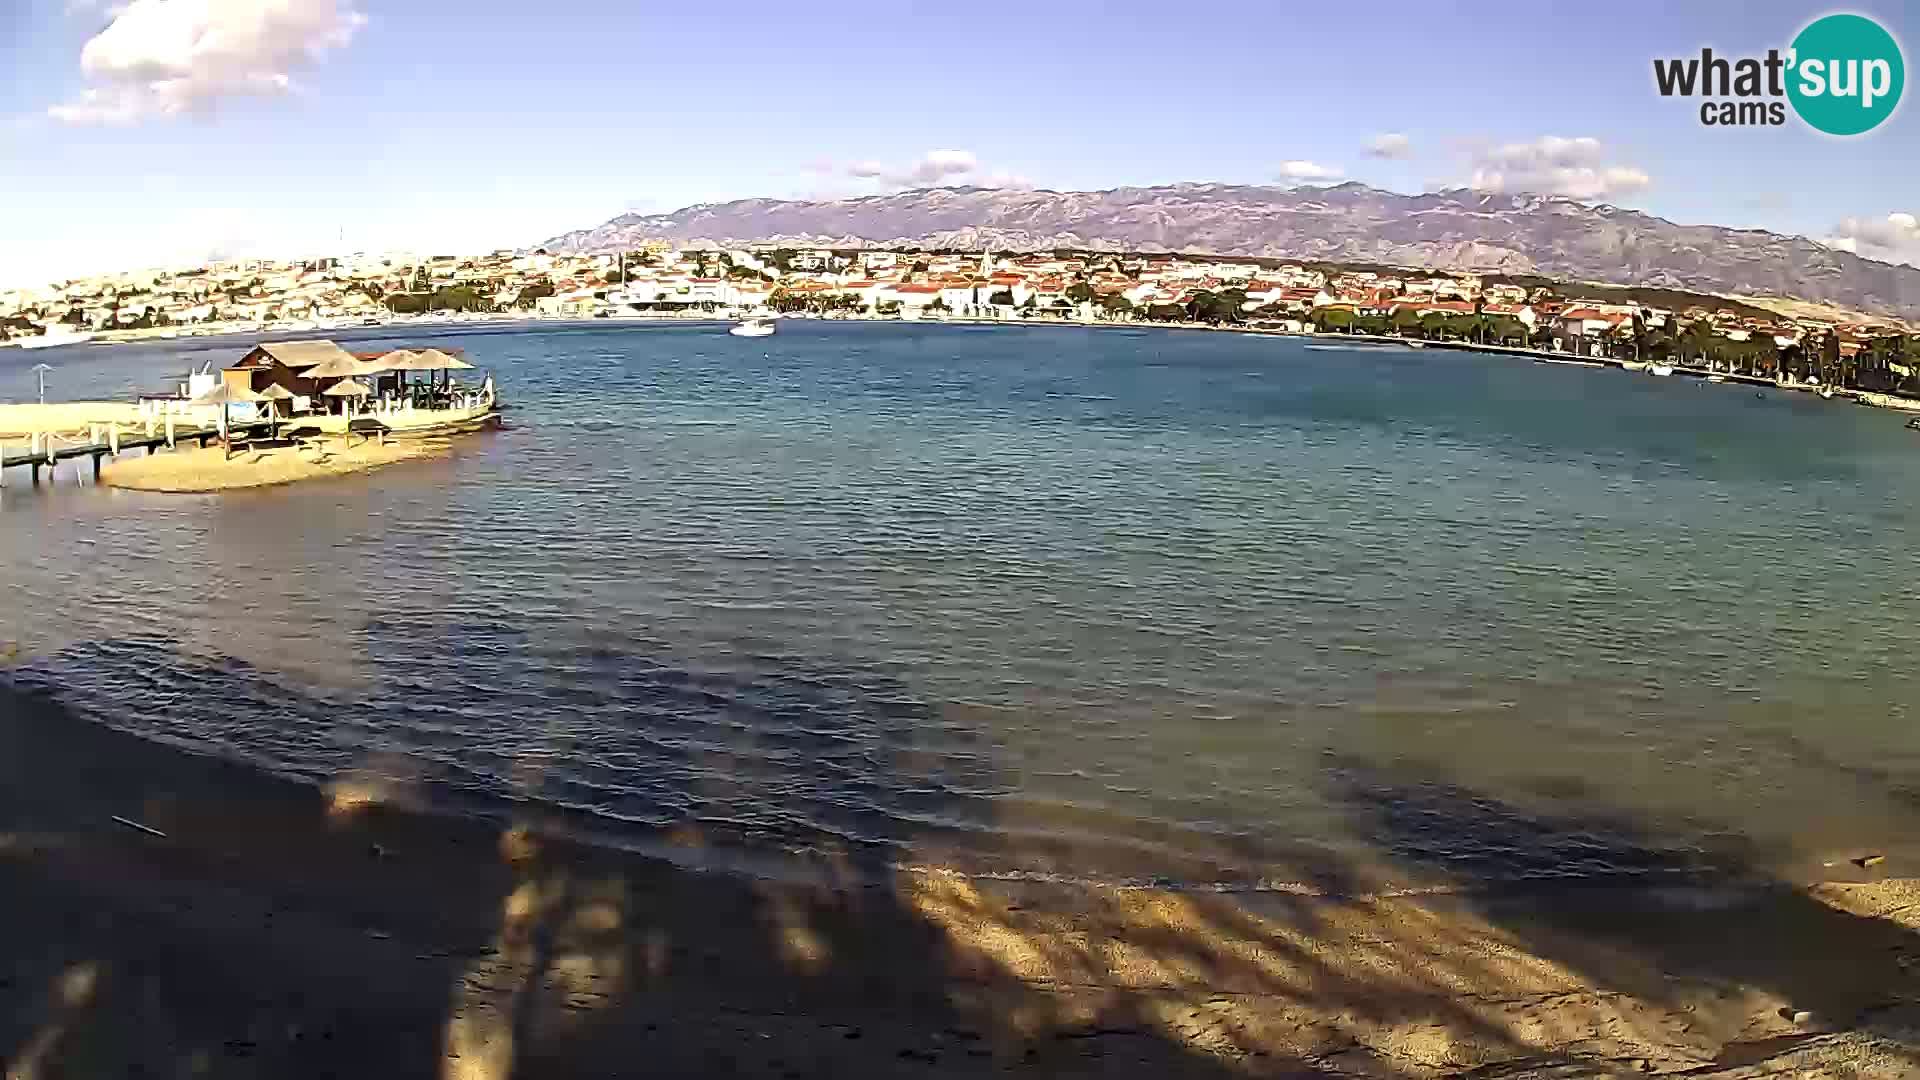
(1129, 605)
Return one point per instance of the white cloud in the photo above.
(935, 168)
(1895, 238)
(1389, 144)
(1553, 165)
(172, 57)
(1308, 170)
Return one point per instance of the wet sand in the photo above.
(199, 471)
(280, 929)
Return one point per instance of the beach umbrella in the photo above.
(275, 393)
(430, 360)
(397, 360)
(435, 360)
(343, 366)
(349, 390)
(225, 395)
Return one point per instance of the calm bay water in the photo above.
(1181, 606)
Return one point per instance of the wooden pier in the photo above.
(105, 440)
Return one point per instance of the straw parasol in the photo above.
(348, 388)
(435, 360)
(276, 393)
(397, 360)
(342, 366)
(224, 395)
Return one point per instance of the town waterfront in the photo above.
(1201, 609)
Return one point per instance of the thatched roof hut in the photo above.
(298, 356)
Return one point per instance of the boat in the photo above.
(1633, 365)
(55, 338)
(1826, 393)
(752, 328)
(1660, 369)
(1716, 378)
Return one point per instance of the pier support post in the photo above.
(96, 466)
(113, 439)
(169, 431)
(36, 474)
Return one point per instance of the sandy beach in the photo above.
(164, 913)
(24, 421)
(198, 471)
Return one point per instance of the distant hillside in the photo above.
(1451, 230)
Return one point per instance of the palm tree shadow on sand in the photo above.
(279, 928)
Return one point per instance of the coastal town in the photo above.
(1656, 327)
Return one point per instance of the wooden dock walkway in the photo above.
(105, 441)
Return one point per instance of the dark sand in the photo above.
(281, 931)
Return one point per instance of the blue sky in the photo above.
(259, 127)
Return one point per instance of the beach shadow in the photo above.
(1700, 928)
(172, 913)
(226, 922)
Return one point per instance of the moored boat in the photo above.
(1660, 369)
(760, 327)
(54, 338)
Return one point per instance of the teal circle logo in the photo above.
(1846, 75)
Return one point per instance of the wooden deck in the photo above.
(105, 446)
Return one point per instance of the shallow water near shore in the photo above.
(1194, 608)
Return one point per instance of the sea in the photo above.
(1184, 608)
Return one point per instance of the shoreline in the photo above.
(168, 909)
(1875, 399)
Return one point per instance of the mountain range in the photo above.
(1460, 230)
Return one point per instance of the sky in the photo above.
(168, 132)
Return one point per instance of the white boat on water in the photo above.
(54, 338)
(752, 328)
(1826, 392)
(1660, 369)
(1716, 378)
(1633, 365)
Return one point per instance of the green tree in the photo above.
(1696, 341)
(1116, 305)
(1405, 321)
(1080, 292)
(1331, 319)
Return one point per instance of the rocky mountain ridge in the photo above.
(1456, 230)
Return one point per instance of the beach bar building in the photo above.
(290, 365)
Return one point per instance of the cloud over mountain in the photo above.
(932, 168)
(1895, 237)
(1308, 170)
(1576, 168)
(1390, 145)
